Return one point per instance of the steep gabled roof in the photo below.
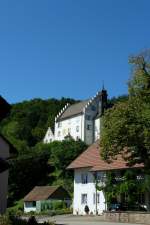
(73, 110)
(91, 158)
(44, 192)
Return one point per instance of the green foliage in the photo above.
(56, 205)
(129, 185)
(26, 171)
(126, 126)
(62, 154)
(111, 102)
(4, 220)
(16, 209)
(28, 121)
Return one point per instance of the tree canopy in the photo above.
(45, 164)
(126, 126)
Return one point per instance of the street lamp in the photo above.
(95, 177)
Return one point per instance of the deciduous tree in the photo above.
(127, 124)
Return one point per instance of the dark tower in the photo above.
(103, 98)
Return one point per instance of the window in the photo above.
(88, 117)
(69, 130)
(30, 204)
(58, 133)
(83, 198)
(34, 204)
(84, 178)
(59, 124)
(141, 198)
(93, 108)
(94, 198)
(89, 127)
(77, 128)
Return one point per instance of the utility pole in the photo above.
(95, 176)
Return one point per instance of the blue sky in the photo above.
(55, 48)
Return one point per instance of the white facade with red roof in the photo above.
(89, 170)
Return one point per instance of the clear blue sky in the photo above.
(55, 48)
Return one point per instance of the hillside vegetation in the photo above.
(38, 163)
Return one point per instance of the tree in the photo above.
(28, 121)
(62, 153)
(126, 126)
(25, 172)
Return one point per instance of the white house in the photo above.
(89, 170)
(49, 136)
(80, 120)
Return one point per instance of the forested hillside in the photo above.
(28, 121)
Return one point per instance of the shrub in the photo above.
(86, 209)
(4, 220)
(32, 221)
(58, 205)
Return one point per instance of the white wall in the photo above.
(88, 189)
(89, 111)
(97, 129)
(69, 126)
(49, 136)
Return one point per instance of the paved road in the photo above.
(79, 220)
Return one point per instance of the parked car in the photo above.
(115, 207)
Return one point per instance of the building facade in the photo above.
(89, 172)
(80, 120)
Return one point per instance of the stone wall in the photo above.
(127, 217)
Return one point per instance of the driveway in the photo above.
(79, 220)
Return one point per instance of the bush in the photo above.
(4, 220)
(86, 209)
(58, 205)
(59, 212)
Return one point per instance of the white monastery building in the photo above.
(79, 121)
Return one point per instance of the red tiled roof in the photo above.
(40, 193)
(91, 158)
